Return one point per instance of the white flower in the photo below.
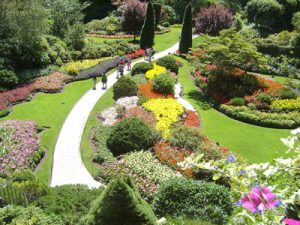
(270, 171)
(289, 142)
(295, 132)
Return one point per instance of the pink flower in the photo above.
(259, 200)
(291, 222)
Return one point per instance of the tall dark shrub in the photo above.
(157, 11)
(186, 33)
(120, 203)
(211, 20)
(147, 35)
(124, 87)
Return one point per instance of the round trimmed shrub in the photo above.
(124, 87)
(164, 84)
(8, 78)
(169, 62)
(141, 67)
(131, 134)
(265, 98)
(181, 197)
(237, 102)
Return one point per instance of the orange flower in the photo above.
(147, 91)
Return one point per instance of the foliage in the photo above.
(193, 199)
(75, 36)
(212, 19)
(27, 216)
(141, 67)
(166, 112)
(287, 94)
(150, 74)
(237, 102)
(62, 202)
(130, 135)
(4, 113)
(52, 83)
(19, 149)
(82, 64)
(186, 34)
(146, 91)
(120, 203)
(262, 97)
(296, 21)
(139, 79)
(273, 120)
(147, 33)
(163, 84)
(124, 87)
(133, 16)
(169, 63)
(286, 105)
(8, 79)
(109, 25)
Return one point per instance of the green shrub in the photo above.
(186, 137)
(141, 67)
(72, 70)
(163, 83)
(22, 176)
(187, 31)
(69, 202)
(287, 94)
(124, 87)
(130, 135)
(169, 62)
(8, 78)
(147, 33)
(237, 102)
(251, 106)
(4, 113)
(262, 97)
(120, 203)
(139, 79)
(181, 197)
(289, 120)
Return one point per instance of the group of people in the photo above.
(121, 66)
(149, 52)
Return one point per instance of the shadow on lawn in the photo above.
(199, 99)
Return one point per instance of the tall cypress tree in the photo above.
(147, 35)
(186, 39)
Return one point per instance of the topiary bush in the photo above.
(181, 197)
(169, 62)
(8, 79)
(130, 135)
(186, 36)
(124, 87)
(163, 84)
(141, 67)
(120, 203)
(237, 102)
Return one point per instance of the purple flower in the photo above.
(231, 158)
(259, 200)
(291, 222)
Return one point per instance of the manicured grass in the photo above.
(50, 110)
(253, 143)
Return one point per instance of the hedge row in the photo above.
(272, 120)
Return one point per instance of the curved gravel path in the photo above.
(68, 167)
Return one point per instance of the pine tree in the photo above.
(186, 38)
(120, 204)
(147, 35)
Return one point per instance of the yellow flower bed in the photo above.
(286, 105)
(166, 112)
(155, 71)
(81, 65)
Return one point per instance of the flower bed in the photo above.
(155, 71)
(146, 90)
(19, 146)
(191, 119)
(139, 112)
(51, 83)
(286, 105)
(166, 112)
(114, 36)
(137, 54)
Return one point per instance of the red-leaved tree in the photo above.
(212, 19)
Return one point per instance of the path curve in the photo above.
(68, 167)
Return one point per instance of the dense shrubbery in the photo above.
(237, 102)
(273, 120)
(182, 197)
(286, 105)
(8, 79)
(169, 62)
(4, 112)
(141, 67)
(163, 84)
(124, 87)
(130, 135)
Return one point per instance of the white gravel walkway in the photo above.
(68, 167)
(185, 103)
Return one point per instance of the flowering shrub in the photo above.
(82, 64)
(191, 119)
(270, 87)
(155, 71)
(279, 178)
(51, 83)
(166, 112)
(139, 112)
(146, 90)
(286, 105)
(137, 54)
(18, 146)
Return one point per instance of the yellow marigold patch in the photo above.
(155, 71)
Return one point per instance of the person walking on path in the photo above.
(104, 81)
(94, 81)
(129, 64)
(121, 69)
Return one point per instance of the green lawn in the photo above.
(50, 110)
(253, 143)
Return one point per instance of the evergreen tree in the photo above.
(186, 33)
(120, 204)
(147, 35)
